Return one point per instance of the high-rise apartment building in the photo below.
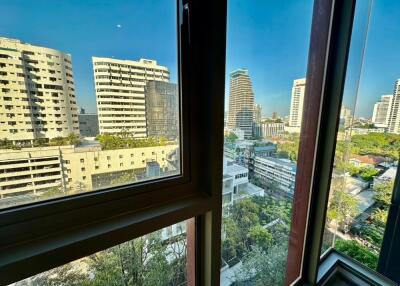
(241, 102)
(381, 113)
(162, 109)
(346, 117)
(37, 93)
(394, 116)
(257, 113)
(296, 104)
(120, 93)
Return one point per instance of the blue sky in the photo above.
(268, 37)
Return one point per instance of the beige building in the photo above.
(296, 104)
(37, 93)
(241, 102)
(33, 171)
(120, 93)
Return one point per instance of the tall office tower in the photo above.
(346, 117)
(296, 104)
(394, 116)
(88, 124)
(257, 113)
(120, 93)
(275, 115)
(241, 102)
(37, 93)
(162, 109)
(380, 116)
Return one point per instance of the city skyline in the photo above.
(250, 36)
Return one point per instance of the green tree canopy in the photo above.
(342, 206)
(126, 140)
(231, 137)
(384, 192)
(358, 251)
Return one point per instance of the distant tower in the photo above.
(381, 114)
(162, 109)
(257, 113)
(394, 116)
(345, 116)
(241, 102)
(296, 104)
(275, 115)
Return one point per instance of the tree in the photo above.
(73, 139)
(368, 174)
(127, 140)
(382, 144)
(260, 237)
(289, 148)
(66, 275)
(384, 192)
(359, 252)
(141, 261)
(379, 216)
(124, 178)
(57, 141)
(40, 142)
(263, 267)
(342, 208)
(231, 137)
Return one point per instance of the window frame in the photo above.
(327, 63)
(64, 229)
(39, 236)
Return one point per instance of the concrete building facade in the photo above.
(120, 93)
(296, 103)
(279, 172)
(346, 117)
(394, 117)
(162, 109)
(272, 129)
(241, 102)
(381, 113)
(257, 113)
(37, 93)
(88, 124)
(68, 169)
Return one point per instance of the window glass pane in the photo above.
(88, 96)
(267, 53)
(158, 258)
(367, 149)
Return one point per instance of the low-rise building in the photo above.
(388, 176)
(364, 131)
(236, 183)
(366, 160)
(278, 172)
(242, 152)
(272, 129)
(68, 169)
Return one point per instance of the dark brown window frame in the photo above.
(40, 236)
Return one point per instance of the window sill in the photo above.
(339, 269)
